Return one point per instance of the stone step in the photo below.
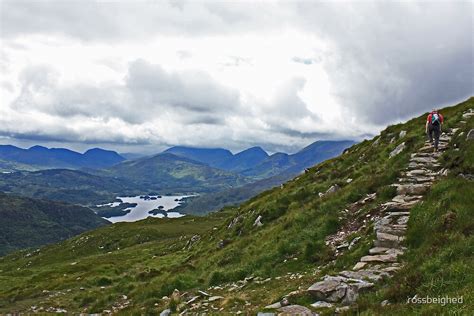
(429, 166)
(389, 237)
(411, 189)
(423, 160)
(388, 229)
(417, 180)
(380, 258)
(407, 198)
(434, 155)
(395, 206)
(366, 274)
(386, 244)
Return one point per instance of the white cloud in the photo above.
(281, 75)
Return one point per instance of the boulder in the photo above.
(295, 310)
(397, 150)
(258, 222)
(331, 289)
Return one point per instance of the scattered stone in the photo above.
(258, 222)
(295, 310)
(166, 312)
(204, 293)
(402, 134)
(385, 303)
(359, 265)
(273, 306)
(354, 242)
(349, 180)
(321, 304)
(331, 289)
(397, 150)
(215, 298)
(332, 189)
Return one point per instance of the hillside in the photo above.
(272, 248)
(170, 173)
(66, 185)
(39, 157)
(29, 222)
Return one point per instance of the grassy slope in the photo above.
(28, 222)
(147, 259)
(440, 260)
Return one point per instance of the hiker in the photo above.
(433, 127)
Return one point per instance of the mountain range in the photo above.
(40, 157)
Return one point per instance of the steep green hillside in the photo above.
(250, 256)
(29, 222)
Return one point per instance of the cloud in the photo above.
(392, 60)
(332, 70)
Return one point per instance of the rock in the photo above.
(402, 134)
(295, 310)
(372, 275)
(321, 304)
(412, 189)
(204, 293)
(470, 135)
(273, 306)
(342, 309)
(467, 115)
(342, 246)
(284, 302)
(385, 303)
(333, 188)
(379, 258)
(320, 194)
(332, 289)
(397, 150)
(222, 243)
(354, 242)
(215, 298)
(258, 222)
(193, 299)
(166, 312)
(265, 314)
(359, 265)
(349, 180)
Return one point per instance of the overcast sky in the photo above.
(140, 76)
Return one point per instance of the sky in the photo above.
(141, 76)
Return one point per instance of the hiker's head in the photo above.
(435, 110)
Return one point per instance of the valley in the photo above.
(273, 247)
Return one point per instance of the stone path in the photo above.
(382, 261)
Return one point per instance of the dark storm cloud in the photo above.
(393, 60)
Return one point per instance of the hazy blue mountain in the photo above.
(210, 156)
(244, 160)
(28, 222)
(101, 158)
(295, 163)
(41, 157)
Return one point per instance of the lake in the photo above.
(146, 204)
